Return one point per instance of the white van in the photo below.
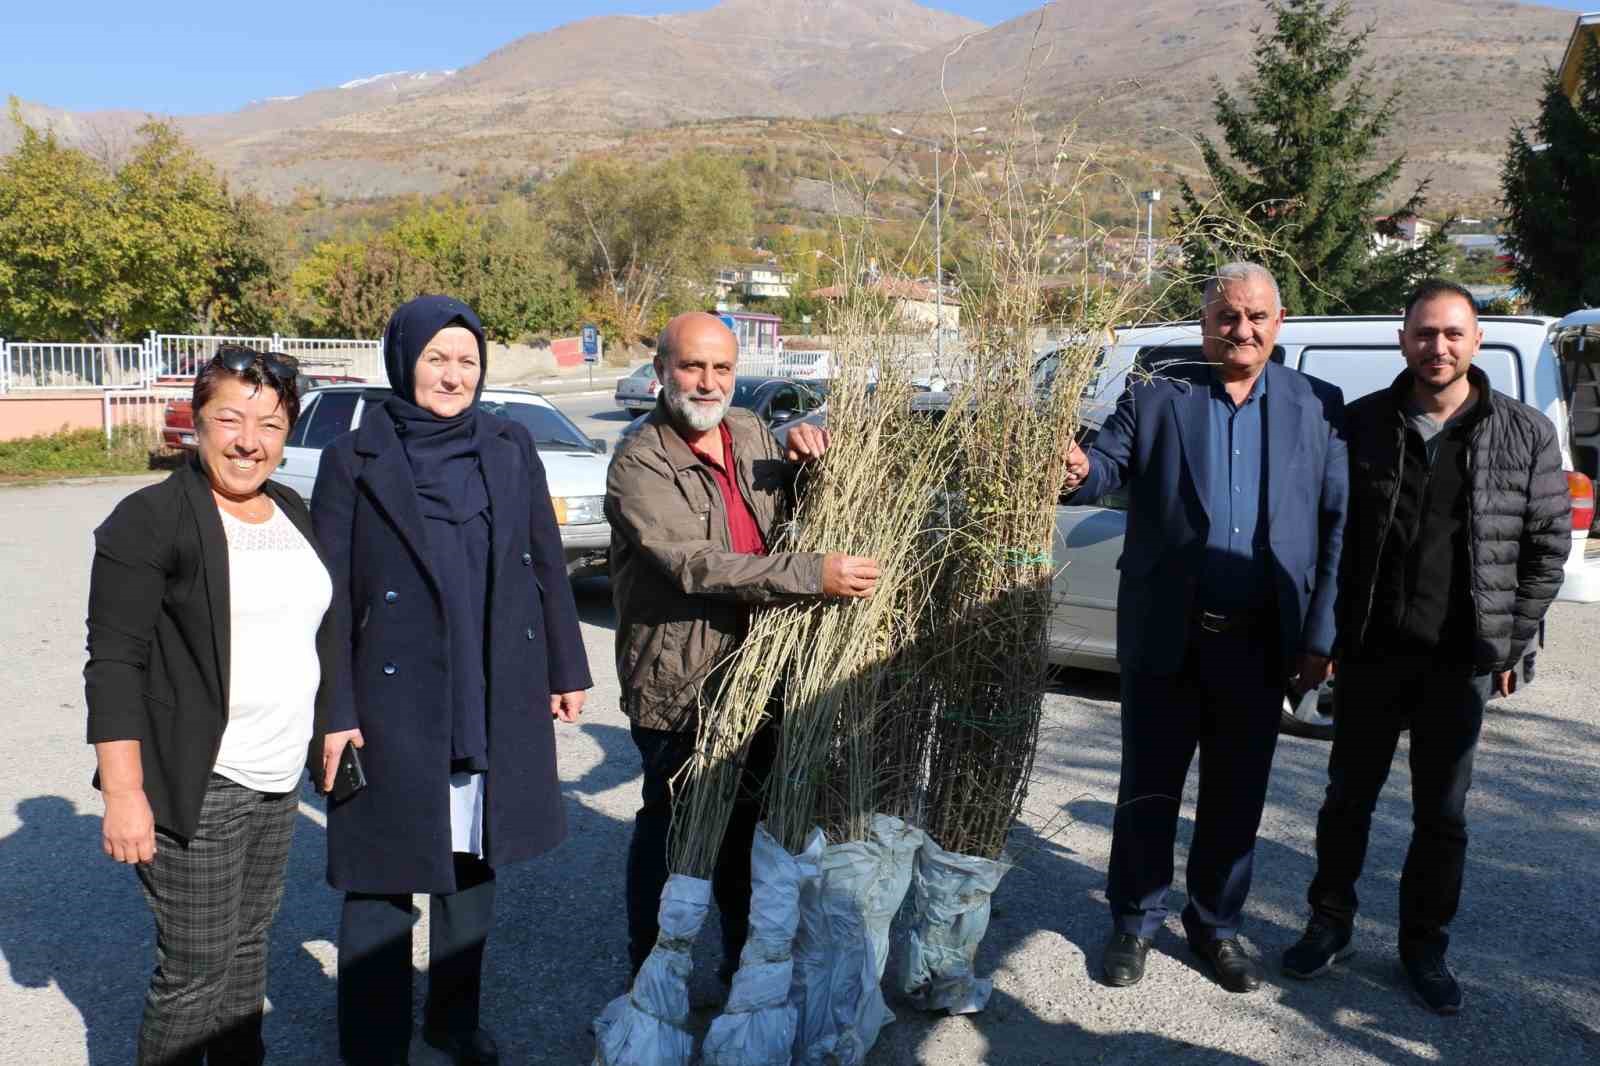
(1553, 365)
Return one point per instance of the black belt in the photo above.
(1236, 622)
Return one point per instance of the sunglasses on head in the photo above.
(238, 360)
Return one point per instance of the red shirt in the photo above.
(743, 533)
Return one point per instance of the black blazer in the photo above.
(159, 638)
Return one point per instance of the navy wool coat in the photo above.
(393, 837)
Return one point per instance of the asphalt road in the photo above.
(594, 411)
(76, 939)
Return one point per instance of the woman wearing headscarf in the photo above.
(462, 645)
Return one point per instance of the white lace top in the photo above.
(278, 591)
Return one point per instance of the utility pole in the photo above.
(938, 239)
(1149, 197)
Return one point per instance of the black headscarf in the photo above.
(443, 454)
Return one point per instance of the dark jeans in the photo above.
(663, 754)
(375, 964)
(214, 897)
(1442, 706)
(1225, 701)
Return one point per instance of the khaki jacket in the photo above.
(682, 595)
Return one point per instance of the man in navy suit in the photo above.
(1237, 483)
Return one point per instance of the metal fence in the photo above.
(181, 354)
(45, 365)
(142, 409)
(30, 366)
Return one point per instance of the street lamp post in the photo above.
(1149, 197)
(938, 240)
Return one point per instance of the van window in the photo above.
(1580, 373)
(1360, 370)
(1154, 357)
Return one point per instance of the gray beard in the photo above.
(687, 412)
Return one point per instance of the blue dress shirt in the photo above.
(1236, 576)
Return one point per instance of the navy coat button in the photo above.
(527, 559)
(389, 669)
(390, 596)
(530, 632)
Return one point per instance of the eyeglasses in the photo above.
(238, 360)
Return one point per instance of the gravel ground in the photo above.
(76, 938)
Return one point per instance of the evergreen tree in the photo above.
(1303, 196)
(1549, 180)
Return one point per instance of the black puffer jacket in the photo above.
(1519, 518)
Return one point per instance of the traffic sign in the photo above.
(591, 344)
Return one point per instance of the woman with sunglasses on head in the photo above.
(461, 645)
(209, 634)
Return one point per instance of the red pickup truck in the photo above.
(177, 423)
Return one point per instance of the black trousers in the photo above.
(214, 897)
(663, 754)
(1224, 702)
(375, 964)
(1442, 706)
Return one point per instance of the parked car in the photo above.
(636, 393)
(1552, 365)
(177, 421)
(776, 401)
(574, 463)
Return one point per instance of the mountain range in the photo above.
(1131, 76)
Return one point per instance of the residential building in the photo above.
(917, 302)
(1585, 30)
(1411, 232)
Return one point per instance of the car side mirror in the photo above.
(597, 445)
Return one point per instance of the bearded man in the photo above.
(695, 499)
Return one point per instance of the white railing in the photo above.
(350, 358)
(39, 365)
(181, 354)
(32, 366)
(816, 364)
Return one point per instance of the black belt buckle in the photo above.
(1212, 622)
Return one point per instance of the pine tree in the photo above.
(1550, 179)
(1302, 197)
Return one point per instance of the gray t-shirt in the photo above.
(1429, 428)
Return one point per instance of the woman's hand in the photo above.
(128, 831)
(567, 705)
(333, 750)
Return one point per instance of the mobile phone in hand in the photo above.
(350, 778)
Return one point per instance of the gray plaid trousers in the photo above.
(213, 902)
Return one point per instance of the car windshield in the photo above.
(643, 372)
(551, 430)
(744, 391)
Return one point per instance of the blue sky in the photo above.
(188, 56)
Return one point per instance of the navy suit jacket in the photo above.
(1155, 442)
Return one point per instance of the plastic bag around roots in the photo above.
(647, 1026)
(757, 1026)
(842, 943)
(951, 896)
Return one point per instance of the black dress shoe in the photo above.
(1123, 964)
(1233, 968)
(474, 1048)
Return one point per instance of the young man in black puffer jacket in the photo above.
(1458, 529)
